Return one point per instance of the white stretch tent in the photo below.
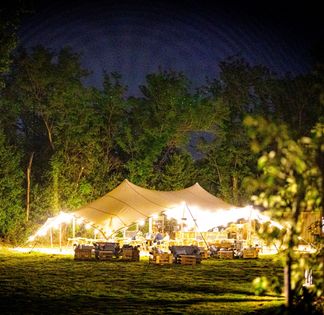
(129, 203)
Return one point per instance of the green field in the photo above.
(54, 284)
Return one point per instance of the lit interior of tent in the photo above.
(197, 216)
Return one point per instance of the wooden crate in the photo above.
(131, 254)
(204, 254)
(162, 259)
(226, 254)
(250, 253)
(105, 255)
(83, 254)
(187, 260)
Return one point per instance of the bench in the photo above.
(107, 250)
(189, 250)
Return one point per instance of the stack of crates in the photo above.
(162, 259)
(131, 254)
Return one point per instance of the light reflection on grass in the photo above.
(35, 283)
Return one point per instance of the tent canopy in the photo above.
(129, 203)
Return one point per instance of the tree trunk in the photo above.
(28, 186)
(49, 133)
(287, 271)
(235, 189)
(287, 282)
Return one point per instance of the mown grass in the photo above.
(53, 284)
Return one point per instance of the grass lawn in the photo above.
(34, 283)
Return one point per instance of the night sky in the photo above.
(136, 37)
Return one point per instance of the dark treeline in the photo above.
(63, 144)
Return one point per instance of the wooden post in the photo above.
(73, 227)
(28, 186)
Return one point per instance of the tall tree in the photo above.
(178, 172)
(158, 122)
(240, 89)
(11, 191)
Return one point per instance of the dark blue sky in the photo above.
(136, 37)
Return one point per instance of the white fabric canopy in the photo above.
(129, 203)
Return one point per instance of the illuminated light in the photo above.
(207, 220)
(31, 238)
(79, 220)
(95, 231)
(56, 225)
(42, 233)
(155, 216)
(66, 217)
(199, 218)
(45, 250)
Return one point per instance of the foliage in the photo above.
(290, 182)
(177, 173)
(85, 141)
(263, 285)
(156, 124)
(11, 191)
(240, 89)
(8, 42)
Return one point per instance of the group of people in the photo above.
(152, 239)
(160, 237)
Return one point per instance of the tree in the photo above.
(157, 123)
(296, 103)
(290, 182)
(54, 114)
(178, 172)
(240, 89)
(8, 41)
(11, 191)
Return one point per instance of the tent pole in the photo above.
(197, 227)
(51, 237)
(60, 237)
(150, 225)
(163, 223)
(73, 227)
